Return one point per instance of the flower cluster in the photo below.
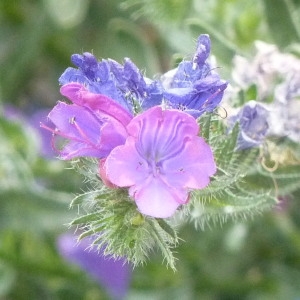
(275, 76)
(152, 147)
(143, 132)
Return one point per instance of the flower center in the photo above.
(155, 167)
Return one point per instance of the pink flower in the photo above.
(162, 160)
(93, 125)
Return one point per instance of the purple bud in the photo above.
(253, 123)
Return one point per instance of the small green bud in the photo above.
(137, 220)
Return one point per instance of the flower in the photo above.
(123, 83)
(113, 275)
(96, 77)
(193, 86)
(252, 119)
(162, 159)
(94, 124)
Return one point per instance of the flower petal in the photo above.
(202, 51)
(192, 167)
(78, 94)
(68, 118)
(88, 134)
(124, 166)
(156, 199)
(159, 131)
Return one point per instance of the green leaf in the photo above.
(86, 218)
(232, 203)
(80, 199)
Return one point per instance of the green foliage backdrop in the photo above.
(252, 258)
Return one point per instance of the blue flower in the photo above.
(194, 87)
(253, 124)
(106, 77)
(124, 84)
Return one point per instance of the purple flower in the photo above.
(114, 276)
(94, 124)
(253, 124)
(194, 87)
(123, 83)
(95, 76)
(162, 160)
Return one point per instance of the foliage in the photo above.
(257, 258)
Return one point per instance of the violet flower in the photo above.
(253, 123)
(94, 124)
(123, 83)
(162, 160)
(113, 275)
(193, 86)
(95, 76)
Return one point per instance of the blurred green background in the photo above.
(248, 259)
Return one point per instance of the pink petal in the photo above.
(88, 134)
(160, 130)
(78, 94)
(156, 199)
(124, 166)
(192, 167)
(64, 117)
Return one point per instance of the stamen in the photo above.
(81, 132)
(56, 132)
(209, 71)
